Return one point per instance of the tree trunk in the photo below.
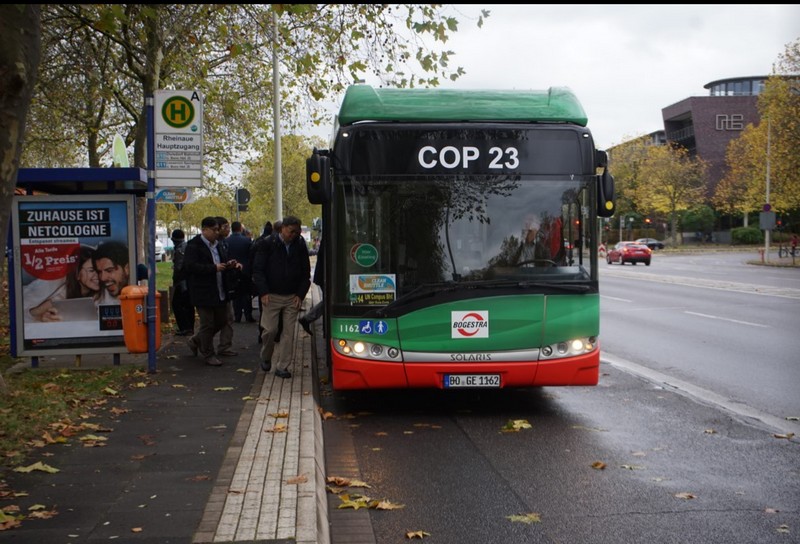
(20, 44)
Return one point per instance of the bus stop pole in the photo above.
(151, 227)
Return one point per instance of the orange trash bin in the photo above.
(133, 301)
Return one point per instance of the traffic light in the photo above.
(242, 198)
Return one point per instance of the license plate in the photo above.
(471, 380)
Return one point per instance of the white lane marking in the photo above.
(783, 292)
(615, 298)
(705, 396)
(726, 319)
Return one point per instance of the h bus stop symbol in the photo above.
(177, 112)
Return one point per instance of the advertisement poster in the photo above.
(72, 257)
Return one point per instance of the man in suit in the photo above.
(239, 249)
(205, 263)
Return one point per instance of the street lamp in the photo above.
(766, 205)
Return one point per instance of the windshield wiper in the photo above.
(576, 287)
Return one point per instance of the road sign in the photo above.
(174, 195)
(766, 220)
(178, 139)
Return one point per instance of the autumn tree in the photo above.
(259, 180)
(107, 58)
(773, 142)
(625, 162)
(671, 181)
(741, 191)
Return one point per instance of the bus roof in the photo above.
(365, 103)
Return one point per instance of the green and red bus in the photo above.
(460, 239)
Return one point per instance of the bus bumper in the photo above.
(352, 373)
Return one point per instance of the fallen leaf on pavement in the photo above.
(276, 429)
(301, 479)
(786, 436)
(417, 534)
(386, 505)
(685, 495)
(345, 482)
(516, 425)
(599, 465)
(532, 517)
(37, 466)
(244, 370)
(223, 389)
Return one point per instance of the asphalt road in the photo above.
(632, 460)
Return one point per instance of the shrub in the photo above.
(746, 235)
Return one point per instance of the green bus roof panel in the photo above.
(365, 103)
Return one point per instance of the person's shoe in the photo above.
(227, 353)
(192, 346)
(213, 361)
(282, 373)
(266, 365)
(305, 324)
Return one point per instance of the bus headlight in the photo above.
(570, 348)
(367, 350)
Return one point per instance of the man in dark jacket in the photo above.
(239, 249)
(281, 273)
(181, 302)
(205, 263)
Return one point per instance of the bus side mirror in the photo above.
(605, 195)
(318, 177)
(605, 187)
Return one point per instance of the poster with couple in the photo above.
(72, 255)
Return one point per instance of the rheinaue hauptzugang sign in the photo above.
(178, 139)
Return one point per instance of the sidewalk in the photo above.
(194, 454)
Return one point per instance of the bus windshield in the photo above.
(419, 230)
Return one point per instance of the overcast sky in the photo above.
(625, 63)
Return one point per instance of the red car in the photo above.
(629, 252)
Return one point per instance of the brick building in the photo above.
(705, 124)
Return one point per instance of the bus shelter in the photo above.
(71, 250)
